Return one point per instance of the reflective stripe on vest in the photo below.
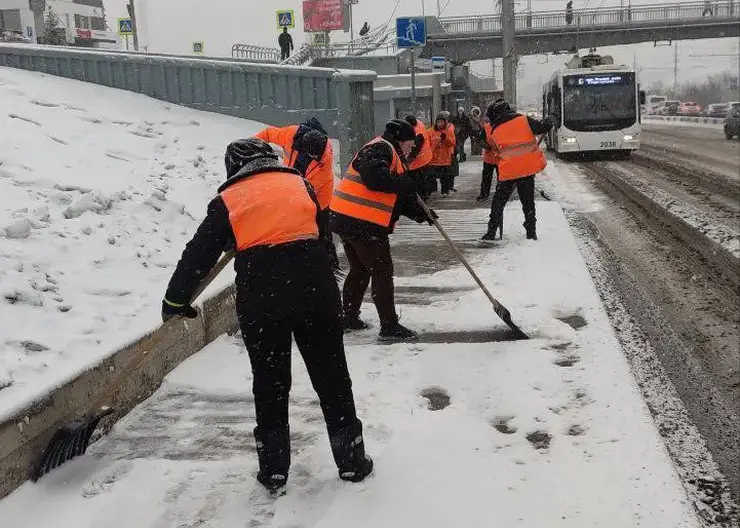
(269, 209)
(352, 198)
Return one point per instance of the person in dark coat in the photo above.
(463, 129)
(364, 211)
(498, 114)
(285, 41)
(285, 290)
(569, 12)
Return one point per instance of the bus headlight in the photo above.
(628, 138)
(569, 139)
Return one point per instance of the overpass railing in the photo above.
(279, 95)
(619, 16)
(258, 53)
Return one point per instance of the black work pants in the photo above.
(369, 259)
(446, 179)
(286, 292)
(487, 179)
(525, 189)
(284, 53)
(418, 176)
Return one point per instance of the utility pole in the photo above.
(675, 68)
(132, 15)
(508, 29)
(439, 8)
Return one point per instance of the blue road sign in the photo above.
(285, 18)
(125, 26)
(411, 32)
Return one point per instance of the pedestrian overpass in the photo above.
(479, 37)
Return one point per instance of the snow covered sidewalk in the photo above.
(99, 191)
(465, 432)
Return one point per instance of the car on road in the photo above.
(716, 110)
(689, 108)
(732, 121)
(669, 108)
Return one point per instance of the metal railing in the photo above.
(257, 53)
(341, 99)
(479, 84)
(580, 18)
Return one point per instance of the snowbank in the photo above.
(546, 432)
(99, 191)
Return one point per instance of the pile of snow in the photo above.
(99, 191)
(550, 432)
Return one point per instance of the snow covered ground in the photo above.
(99, 191)
(547, 432)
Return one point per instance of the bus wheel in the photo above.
(624, 154)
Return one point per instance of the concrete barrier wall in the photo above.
(279, 95)
(685, 119)
(24, 437)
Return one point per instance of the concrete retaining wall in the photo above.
(685, 119)
(24, 437)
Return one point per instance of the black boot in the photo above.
(531, 231)
(273, 454)
(348, 449)
(397, 332)
(352, 324)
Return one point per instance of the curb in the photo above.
(24, 436)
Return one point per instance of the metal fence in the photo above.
(619, 16)
(279, 95)
(257, 53)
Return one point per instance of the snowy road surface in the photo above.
(99, 191)
(547, 432)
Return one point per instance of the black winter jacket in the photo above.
(373, 163)
(215, 236)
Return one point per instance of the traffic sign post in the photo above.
(410, 33)
(285, 18)
(198, 47)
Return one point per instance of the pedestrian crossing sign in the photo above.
(285, 18)
(125, 26)
(198, 47)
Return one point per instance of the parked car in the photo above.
(689, 108)
(9, 35)
(732, 121)
(716, 110)
(669, 108)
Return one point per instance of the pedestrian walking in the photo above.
(306, 148)
(476, 146)
(569, 12)
(463, 129)
(285, 41)
(284, 291)
(442, 137)
(373, 194)
(420, 157)
(518, 157)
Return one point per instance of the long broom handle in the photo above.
(499, 308)
(141, 355)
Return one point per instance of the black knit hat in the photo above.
(242, 151)
(411, 120)
(400, 130)
(313, 143)
(497, 108)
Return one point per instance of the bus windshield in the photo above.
(599, 101)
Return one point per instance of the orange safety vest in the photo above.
(442, 151)
(319, 173)
(270, 208)
(489, 156)
(425, 156)
(352, 198)
(515, 146)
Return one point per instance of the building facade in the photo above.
(68, 22)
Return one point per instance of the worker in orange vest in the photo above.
(373, 194)
(285, 290)
(307, 148)
(512, 137)
(420, 157)
(443, 149)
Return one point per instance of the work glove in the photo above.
(443, 136)
(434, 216)
(170, 310)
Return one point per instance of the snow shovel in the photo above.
(499, 308)
(73, 439)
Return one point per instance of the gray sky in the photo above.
(171, 26)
